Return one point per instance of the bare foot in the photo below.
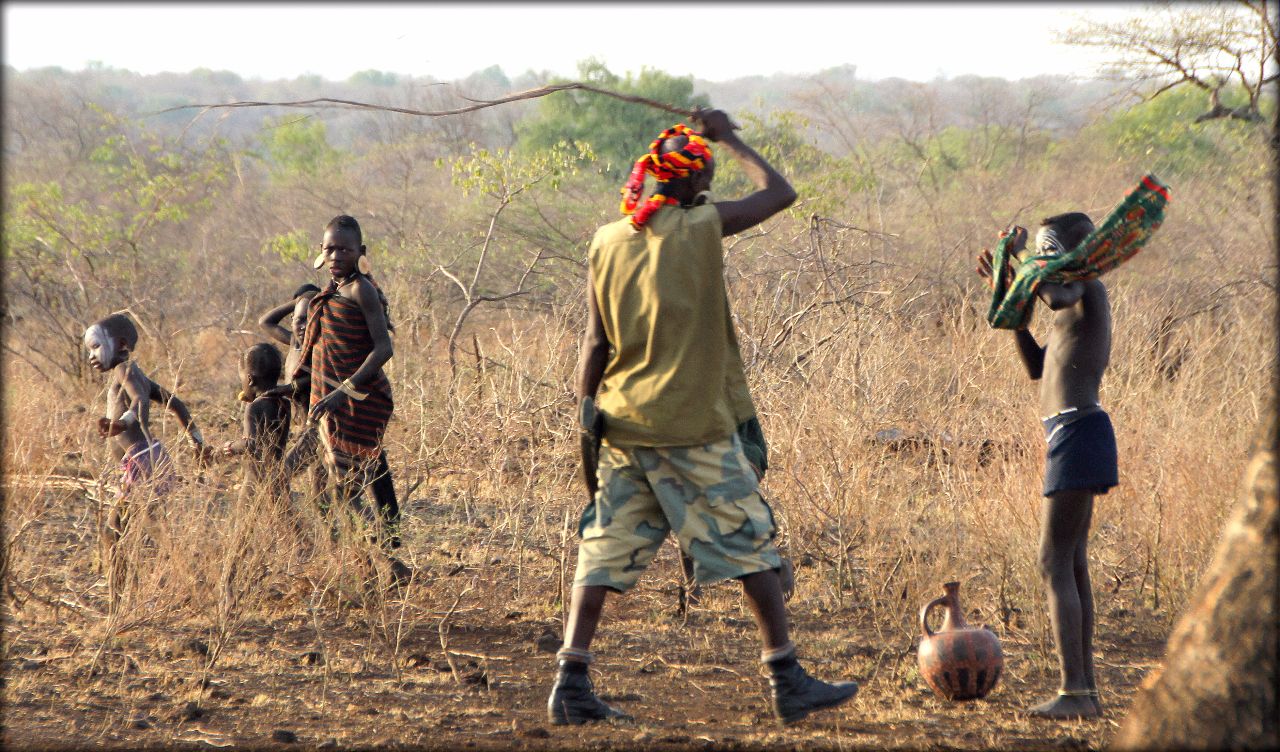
(1066, 707)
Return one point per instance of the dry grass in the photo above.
(236, 626)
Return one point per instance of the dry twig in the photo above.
(477, 104)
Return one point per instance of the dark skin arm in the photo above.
(1056, 297)
(593, 353)
(1030, 351)
(366, 296)
(269, 322)
(162, 396)
(256, 417)
(132, 387)
(593, 356)
(773, 192)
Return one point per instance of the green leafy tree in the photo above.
(1164, 135)
(618, 132)
(291, 246)
(1224, 50)
(502, 177)
(297, 147)
(784, 138)
(96, 237)
(373, 77)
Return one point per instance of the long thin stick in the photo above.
(478, 104)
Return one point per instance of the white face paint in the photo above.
(1047, 242)
(102, 351)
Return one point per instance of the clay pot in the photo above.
(958, 662)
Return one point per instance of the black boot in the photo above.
(573, 701)
(796, 694)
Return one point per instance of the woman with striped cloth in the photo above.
(345, 346)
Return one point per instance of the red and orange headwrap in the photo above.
(695, 156)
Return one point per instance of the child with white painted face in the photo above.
(110, 342)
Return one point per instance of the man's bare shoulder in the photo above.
(361, 284)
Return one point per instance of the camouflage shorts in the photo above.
(707, 495)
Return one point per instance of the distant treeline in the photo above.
(1061, 104)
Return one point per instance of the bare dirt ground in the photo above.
(473, 669)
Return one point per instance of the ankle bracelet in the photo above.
(577, 655)
(1078, 693)
(778, 653)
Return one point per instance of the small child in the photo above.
(266, 423)
(303, 454)
(110, 342)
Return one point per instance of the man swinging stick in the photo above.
(1081, 461)
(660, 352)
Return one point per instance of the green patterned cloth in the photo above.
(1120, 236)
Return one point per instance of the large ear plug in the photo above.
(363, 264)
(319, 262)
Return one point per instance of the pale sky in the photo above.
(713, 41)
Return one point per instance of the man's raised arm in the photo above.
(773, 192)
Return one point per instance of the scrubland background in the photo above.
(905, 448)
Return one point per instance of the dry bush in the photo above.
(905, 445)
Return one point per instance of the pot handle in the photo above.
(924, 614)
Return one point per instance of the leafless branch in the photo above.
(477, 104)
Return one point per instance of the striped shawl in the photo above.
(336, 343)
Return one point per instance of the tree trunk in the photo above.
(1218, 687)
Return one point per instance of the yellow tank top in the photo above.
(674, 375)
